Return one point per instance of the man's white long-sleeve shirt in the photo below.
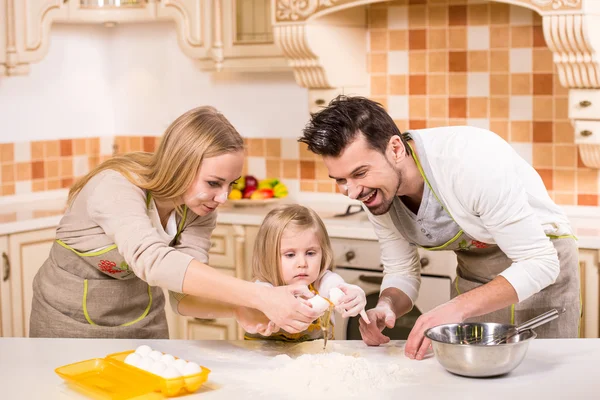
(495, 196)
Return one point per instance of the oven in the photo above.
(357, 261)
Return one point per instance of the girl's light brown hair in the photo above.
(167, 173)
(266, 262)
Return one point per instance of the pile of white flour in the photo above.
(327, 375)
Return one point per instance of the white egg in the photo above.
(171, 372)
(335, 294)
(167, 359)
(133, 359)
(157, 368)
(179, 364)
(191, 368)
(319, 304)
(143, 350)
(155, 355)
(145, 363)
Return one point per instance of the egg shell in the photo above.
(179, 364)
(191, 368)
(335, 294)
(171, 372)
(319, 304)
(157, 368)
(155, 355)
(133, 359)
(167, 359)
(145, 363)
(143, 350)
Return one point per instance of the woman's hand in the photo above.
(254, 321)
(353, 302)
(286, 308)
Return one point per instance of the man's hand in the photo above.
(285, 307)
(380, 317)
(417, 344)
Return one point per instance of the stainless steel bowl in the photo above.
(452, 349)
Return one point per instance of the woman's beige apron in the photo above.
(313, 332)
(96, 295)
(479, 263)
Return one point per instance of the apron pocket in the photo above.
(112, 302)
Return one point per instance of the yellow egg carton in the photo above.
(110, 378)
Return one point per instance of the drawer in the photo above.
(587, 132)
(584, 104)
(222, 247)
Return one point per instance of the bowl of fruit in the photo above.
(249, 191)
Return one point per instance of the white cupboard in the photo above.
(219, 34)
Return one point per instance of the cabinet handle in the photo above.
(5, 267)
(424, 262)
(585, 103)
(319, 102)
(586, 133)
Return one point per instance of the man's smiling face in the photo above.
(366, 174)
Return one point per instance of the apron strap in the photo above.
(181, 223)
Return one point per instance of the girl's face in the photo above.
(300, 256)
(213, 182)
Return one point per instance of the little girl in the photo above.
(292, 247)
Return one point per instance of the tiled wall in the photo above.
(455, 62)
(432, 63)
(27, 167)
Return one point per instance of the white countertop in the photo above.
(552, 368)
(44, 210)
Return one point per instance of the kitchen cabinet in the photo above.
(219, 34)
(5, 303)
(3, 32)
(111, 11)
(24, 254)
(226, 34)
(590, 292)
(27, 29)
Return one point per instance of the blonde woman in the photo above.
(141, 222)
(293, 248)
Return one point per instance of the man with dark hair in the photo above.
(461, 189)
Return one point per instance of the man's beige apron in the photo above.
(96, 295)
(479, 263)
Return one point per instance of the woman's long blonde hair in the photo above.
(167, 173)
(266, 261)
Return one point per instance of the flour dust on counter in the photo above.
(307, 371)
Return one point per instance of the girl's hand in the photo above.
(254, 321)
(353, 303)
(287, 309)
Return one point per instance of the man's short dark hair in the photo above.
(330, 130)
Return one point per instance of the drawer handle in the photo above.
(586, 133)
(5, 267)
(585, 103)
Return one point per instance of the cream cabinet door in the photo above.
(27, 252)
(183, 327)
(193, 19)
(28, 31)
(217, 329)
(5, 300)
(590, 292)
(244, 37)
